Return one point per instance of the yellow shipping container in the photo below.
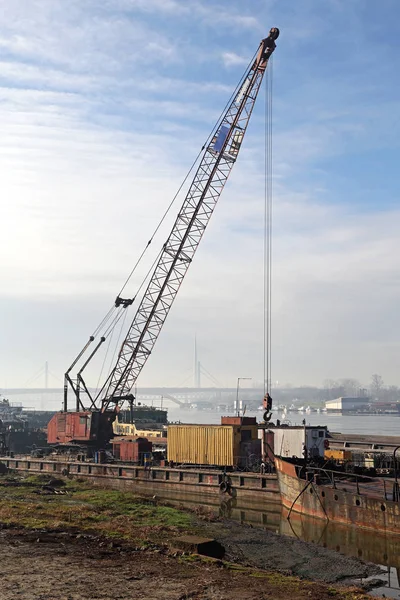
(338, 454)
(218, 445)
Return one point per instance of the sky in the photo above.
(103, 107)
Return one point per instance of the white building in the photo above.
(346, 404)
(290, 440)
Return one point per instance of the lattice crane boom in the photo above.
(177, 253)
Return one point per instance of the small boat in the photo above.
(340, 497)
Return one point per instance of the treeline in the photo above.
(376, 390)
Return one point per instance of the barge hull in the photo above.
(166, 483)
(337, 505)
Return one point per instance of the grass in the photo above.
(123, 515)
(106, 512)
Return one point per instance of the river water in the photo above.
(377, 424)
(374, 424)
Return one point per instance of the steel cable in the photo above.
(111, 319)
(103, 364)
(213, 130)
(116, 345)
(267, 263)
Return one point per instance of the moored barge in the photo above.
(349, 499)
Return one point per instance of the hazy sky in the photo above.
(103, 106)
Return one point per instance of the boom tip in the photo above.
(274, 33)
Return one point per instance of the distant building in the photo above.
(347, 404)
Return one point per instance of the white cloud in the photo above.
(96, 132)
(76, 202)
(158, 6)
(36, 76)
(232, 59)
(80, 40)
(214, 15)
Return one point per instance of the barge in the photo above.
(172, 484)
(344, 498)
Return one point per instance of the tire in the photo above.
(224, 487)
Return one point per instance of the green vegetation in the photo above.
(26, 502)
(75, 506)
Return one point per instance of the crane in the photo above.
(91, 422)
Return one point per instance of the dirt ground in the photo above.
(65, 540)
(57, 566)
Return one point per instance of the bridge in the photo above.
(183, 397)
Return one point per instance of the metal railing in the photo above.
(333, 476)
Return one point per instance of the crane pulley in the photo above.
(218, 158)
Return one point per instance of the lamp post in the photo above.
(396, 483)
(239, 379)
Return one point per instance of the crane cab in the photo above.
(87, 427)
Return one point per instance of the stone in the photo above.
(199, 545)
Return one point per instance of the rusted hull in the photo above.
(373, 546)
(326, 502)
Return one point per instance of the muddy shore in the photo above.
(267, 550)
(59, 566)
(75, 542)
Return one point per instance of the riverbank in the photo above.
(66, 540)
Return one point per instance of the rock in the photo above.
(372, 583)
(56, 483)
(199, 545)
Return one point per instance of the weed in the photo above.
(107, 512)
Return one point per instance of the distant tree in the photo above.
(329, 384)
(339, 392)
(390, 393)
(351, 386)
(377, 386)
(394, 393)
(330, 387)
